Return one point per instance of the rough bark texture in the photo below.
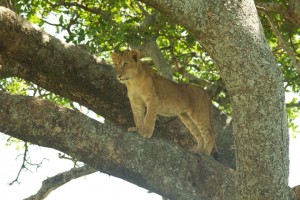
(231, 32)
(153, 164)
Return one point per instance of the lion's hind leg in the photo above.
(188, 122)
(203, 123)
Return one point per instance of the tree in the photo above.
(230, 32)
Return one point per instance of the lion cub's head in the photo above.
(126, 64)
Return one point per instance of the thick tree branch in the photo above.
(157, 165)
(62, 68)
(60, 179)
(8, 3)
(8, 67)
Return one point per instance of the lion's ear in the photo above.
(115, 57)
(135, 54)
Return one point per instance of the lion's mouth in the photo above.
(123, 79)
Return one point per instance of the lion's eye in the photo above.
(125, 65)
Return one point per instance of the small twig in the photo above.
(26, 161)
(75, 4)
(292, 105)
(263, 6)
(23, 166)
(64, 156)
(282, 43)
(143, 10)
(286, 11)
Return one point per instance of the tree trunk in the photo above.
(232, 34)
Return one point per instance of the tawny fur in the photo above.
(151, 94)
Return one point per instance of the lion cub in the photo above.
(151, 94)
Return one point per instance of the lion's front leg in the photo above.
(138, 111)
(149, 120)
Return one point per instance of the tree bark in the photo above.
(232, 34)
(157, 165)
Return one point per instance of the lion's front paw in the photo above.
(132, 129)
(199, 149)
(196, 149)
(145, 132)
